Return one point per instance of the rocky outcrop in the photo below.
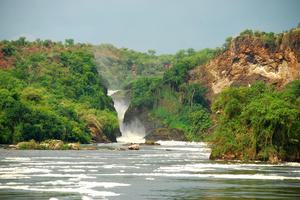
(46, 145)
(134, 147)
(248, 59)
(97, 133)
(55, 144)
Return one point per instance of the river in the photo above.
(173, 170)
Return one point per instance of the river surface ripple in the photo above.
(173, 170)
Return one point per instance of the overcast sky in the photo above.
(163, 25)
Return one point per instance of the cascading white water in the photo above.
(133, 131)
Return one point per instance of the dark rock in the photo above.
(166, 134)
(89, 148)
(151, 142)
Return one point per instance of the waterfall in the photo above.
(133, 131)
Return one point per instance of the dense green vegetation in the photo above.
(171, 100)
(257, 122)
(271, 41)
(52, 90)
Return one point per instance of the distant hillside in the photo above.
(121, 66)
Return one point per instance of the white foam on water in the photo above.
(16, 159)
(86, 167)
(218, 176)
(184, 168)
(102, 184)
(13, 176)
(119, 166)
(292, 164)
(56, 182)
(75, 179)
(199, 167)
(180, 143)
(53, 198)
(82, 190)
(132, 132)
(130, 137)
(86, 198)
(71, 170)
(142, 164)
(82, 176)
(42, 163)
(167, 155)
(24, 170)
(84, 184)
(12, 183)
(150, 179)
(200, 150)
(54, 158)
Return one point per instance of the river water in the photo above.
(173, 170)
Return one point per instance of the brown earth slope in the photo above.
(249, 59)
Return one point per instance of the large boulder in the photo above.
(74, 146)
(55, 144)
(134, 147)
(27, 145)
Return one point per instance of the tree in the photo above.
(8, 50)
(151, 52)
(193, 94)
(257, 123)
(69, 42)
(21, 41)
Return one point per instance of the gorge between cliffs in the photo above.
(82, 121)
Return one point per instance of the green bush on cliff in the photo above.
(257, 122)
(144, 91)
(171, 100)
(47, 91)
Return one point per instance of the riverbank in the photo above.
(60, 145)
(44, 145)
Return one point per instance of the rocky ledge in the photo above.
(45, 145)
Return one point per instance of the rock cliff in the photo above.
(250, 58)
